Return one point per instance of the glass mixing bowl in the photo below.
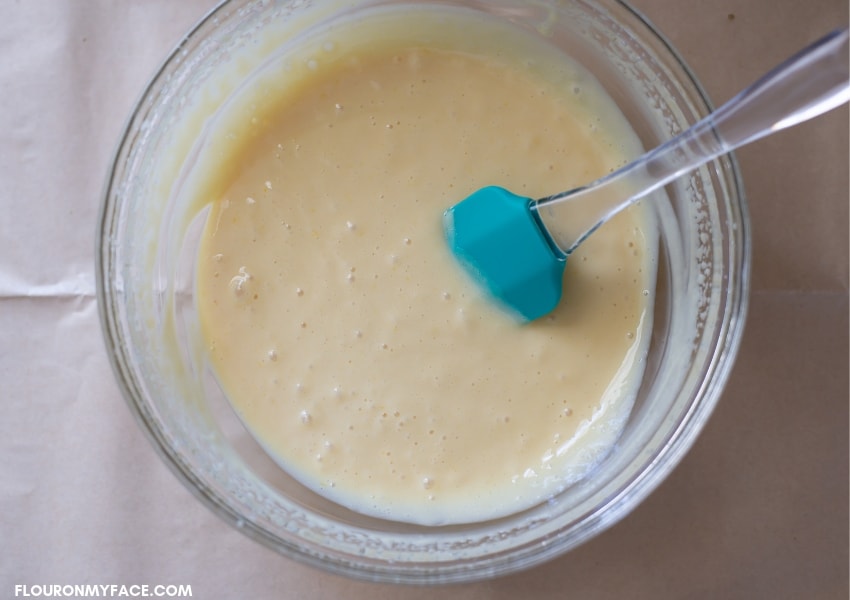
(147, 240)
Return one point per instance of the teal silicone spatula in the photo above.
(517, 247)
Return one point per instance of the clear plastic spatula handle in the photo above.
(812, 82)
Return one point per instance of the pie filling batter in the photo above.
(334, 316)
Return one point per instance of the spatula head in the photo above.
(499, 240)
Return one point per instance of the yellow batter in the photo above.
(339, 325)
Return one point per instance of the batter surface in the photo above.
(335, 318)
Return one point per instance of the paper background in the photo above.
(758, 509)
